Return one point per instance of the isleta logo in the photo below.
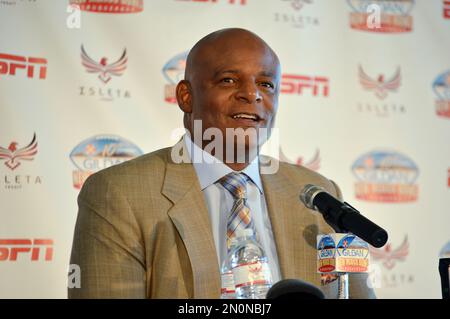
(441, 87)
(110, 6)
(13, 155)
(389, 256)
(380, 86)
(105, 73)
(10, 63)
(103, 67)
(173, 72)
(293, 18)
(298, 4)
(394, 15)
(99, 152)
(385, 176)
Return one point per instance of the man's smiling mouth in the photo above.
(246, 116)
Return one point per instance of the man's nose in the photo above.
(249, 93)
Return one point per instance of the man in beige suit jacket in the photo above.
(143, 227)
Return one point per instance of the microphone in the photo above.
(294, 289)
(341, 216)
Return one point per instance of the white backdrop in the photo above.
(367, 107)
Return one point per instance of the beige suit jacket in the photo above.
(143, 231)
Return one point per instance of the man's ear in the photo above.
(184, 96)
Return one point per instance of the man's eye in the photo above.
(227, 80)
(268, 85)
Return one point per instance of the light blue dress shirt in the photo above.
(219, 202)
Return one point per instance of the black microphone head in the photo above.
(379, 238)
(294, 289)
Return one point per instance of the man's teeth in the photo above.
(245, 116)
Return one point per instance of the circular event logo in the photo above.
(99, 152)
(326, 249)
(173, 72)
(117, 6)
(441, 87)
(385, 176)
(395, 16)
(352, 254)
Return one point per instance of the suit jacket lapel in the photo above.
(280, 216)
(190, 216)
(293, 227)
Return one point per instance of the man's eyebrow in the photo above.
(267, 74)
(220, 71)
(262, 73)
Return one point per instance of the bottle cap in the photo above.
(248, 232)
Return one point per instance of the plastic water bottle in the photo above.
(227, 291)
(250, 267)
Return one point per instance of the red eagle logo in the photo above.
(106, 70)
(13, 155)
(380, 86)
(298, 4)
(312, 164)
(389, 256)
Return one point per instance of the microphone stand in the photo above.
(342, 285)
(342, 277)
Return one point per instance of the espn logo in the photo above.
(446, 9)
(39, 249)
(9, 64)
(296, 84)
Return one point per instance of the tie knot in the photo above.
(235, 183)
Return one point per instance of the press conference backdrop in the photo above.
(365, 101)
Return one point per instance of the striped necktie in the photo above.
(240, 217)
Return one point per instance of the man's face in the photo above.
(236, 86)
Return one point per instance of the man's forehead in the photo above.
(232, 50)
(233, 44)
(227, 36)
(264, 70)
(227, 56)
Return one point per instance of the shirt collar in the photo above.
(209, 169)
